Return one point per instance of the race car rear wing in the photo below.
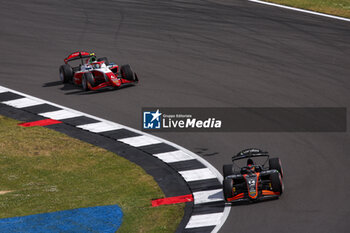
(78, 55)
(238, 157)
(249, 153)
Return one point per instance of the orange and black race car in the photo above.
(246, 181)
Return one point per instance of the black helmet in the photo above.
(250, 162)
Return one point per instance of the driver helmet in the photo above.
(250, 163)
(92, 59)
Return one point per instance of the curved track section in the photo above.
(224, 53)
(201, 178)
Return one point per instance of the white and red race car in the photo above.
(94, 74)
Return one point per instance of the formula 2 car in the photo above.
(93, 73)
(252, 182)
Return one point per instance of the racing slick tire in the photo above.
(227, 170)
(228, 186)
(275, 163)
(104, 59)
(66, 73)
(87, 78)
(277, 183)
(127, 73)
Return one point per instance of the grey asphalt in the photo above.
(209, 54)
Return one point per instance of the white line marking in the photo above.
(22, 102)
(300, 10)
(197, 174)
(100, 127)
(173, 156)
(208, 196)
(204, 220)
(140, 141)
(60, 114)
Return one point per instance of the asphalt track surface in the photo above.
(209, 54)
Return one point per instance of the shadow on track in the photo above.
(247, 203)
(52, 84)
(205, 152)
(76, 90)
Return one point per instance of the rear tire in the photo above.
(227, 170)
(277, 183)
(127, 73)
(228, 186)
(66, 73)
(104, 59)
(275, 163)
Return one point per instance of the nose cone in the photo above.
(116, 81)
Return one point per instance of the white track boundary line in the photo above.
(300, 10)
(223, 215)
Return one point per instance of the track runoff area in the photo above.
(208, 212)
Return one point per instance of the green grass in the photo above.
(47, 171)
(333, 7)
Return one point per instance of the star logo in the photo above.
(156, 115)
(151, 120)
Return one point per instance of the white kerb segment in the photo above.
(173, 156)
(100, 127)
(208, 196)
(3, 89)
(139, 141)
(22, 103)
(204, 220)
(60, 114)
(197, 174)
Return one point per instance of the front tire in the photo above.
(275, 163)
(87, 78)
(127, 73)
(227, 170)
(66, 73)
(228, 186)
(277, 183)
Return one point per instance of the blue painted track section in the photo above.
(106, 219)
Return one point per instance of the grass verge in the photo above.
(45, 171)
(337, 7)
